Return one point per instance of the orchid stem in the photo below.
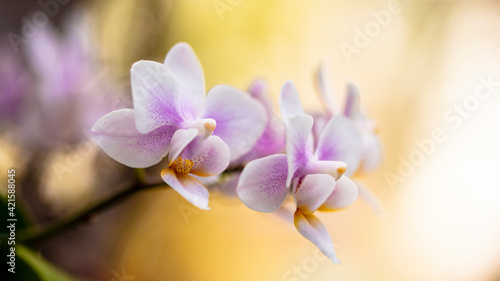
(37, 233)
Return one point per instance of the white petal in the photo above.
(313, 191)
(351, 107)
(262, 185)
(372, 153)
(210, 159)
(184, 64)
(179, 142)
(312, 229)
(324, 89)
(240, 119)
(370, 198)
(344, 194)
(156, 96)
(341, 141)
(298, 143)
(188, 187)
(116, 134)
(289, 100)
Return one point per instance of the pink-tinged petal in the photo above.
(298, 143)
(272, 140)
(313, 230)
(179, 142)
(210, 158)
(289, 100)
(370, 198)
(240, 119)
(155, 91)
(351, 107)
(262, 185)
(372, 153)
(324, 90)
(116, 134)
(188, 187)
(184, 64)
(344, 194)
(341, 141)
(320, 121)
(312, 192)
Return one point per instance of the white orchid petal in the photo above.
(289, 100)
(313, 191)
(155, 92)
(184, 64)
(188, 187)
(312, 229)
(344, 194)
(262, 185)
(341, 141)
(240, 119)
(117, 135)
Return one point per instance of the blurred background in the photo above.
(429, 75)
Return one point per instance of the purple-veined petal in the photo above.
(240, 119)
(116, 134)
(351, 107)
(340, 141)
(179, 142)
(262, 185)
(184, 64)
(372, 153)
(298, 143)
(370, 198)
(155, 91)
(188, 187)
(344, 194)
(324, 90)
(312, 192)
(313, 230)
(289, 100)
(210, 158)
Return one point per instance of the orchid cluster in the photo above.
(200, 136)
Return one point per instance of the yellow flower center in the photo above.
(182, 166)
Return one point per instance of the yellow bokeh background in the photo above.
(442, 221)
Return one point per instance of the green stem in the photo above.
(41, 232)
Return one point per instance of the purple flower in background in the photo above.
(70, 95)
(13, 86)
(315, 183)
(172, 116)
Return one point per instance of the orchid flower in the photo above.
(13, 86)
(272, 140)
(68, 96)
(356, 142)
(371, 155)
(172, 117)
(315, 183)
